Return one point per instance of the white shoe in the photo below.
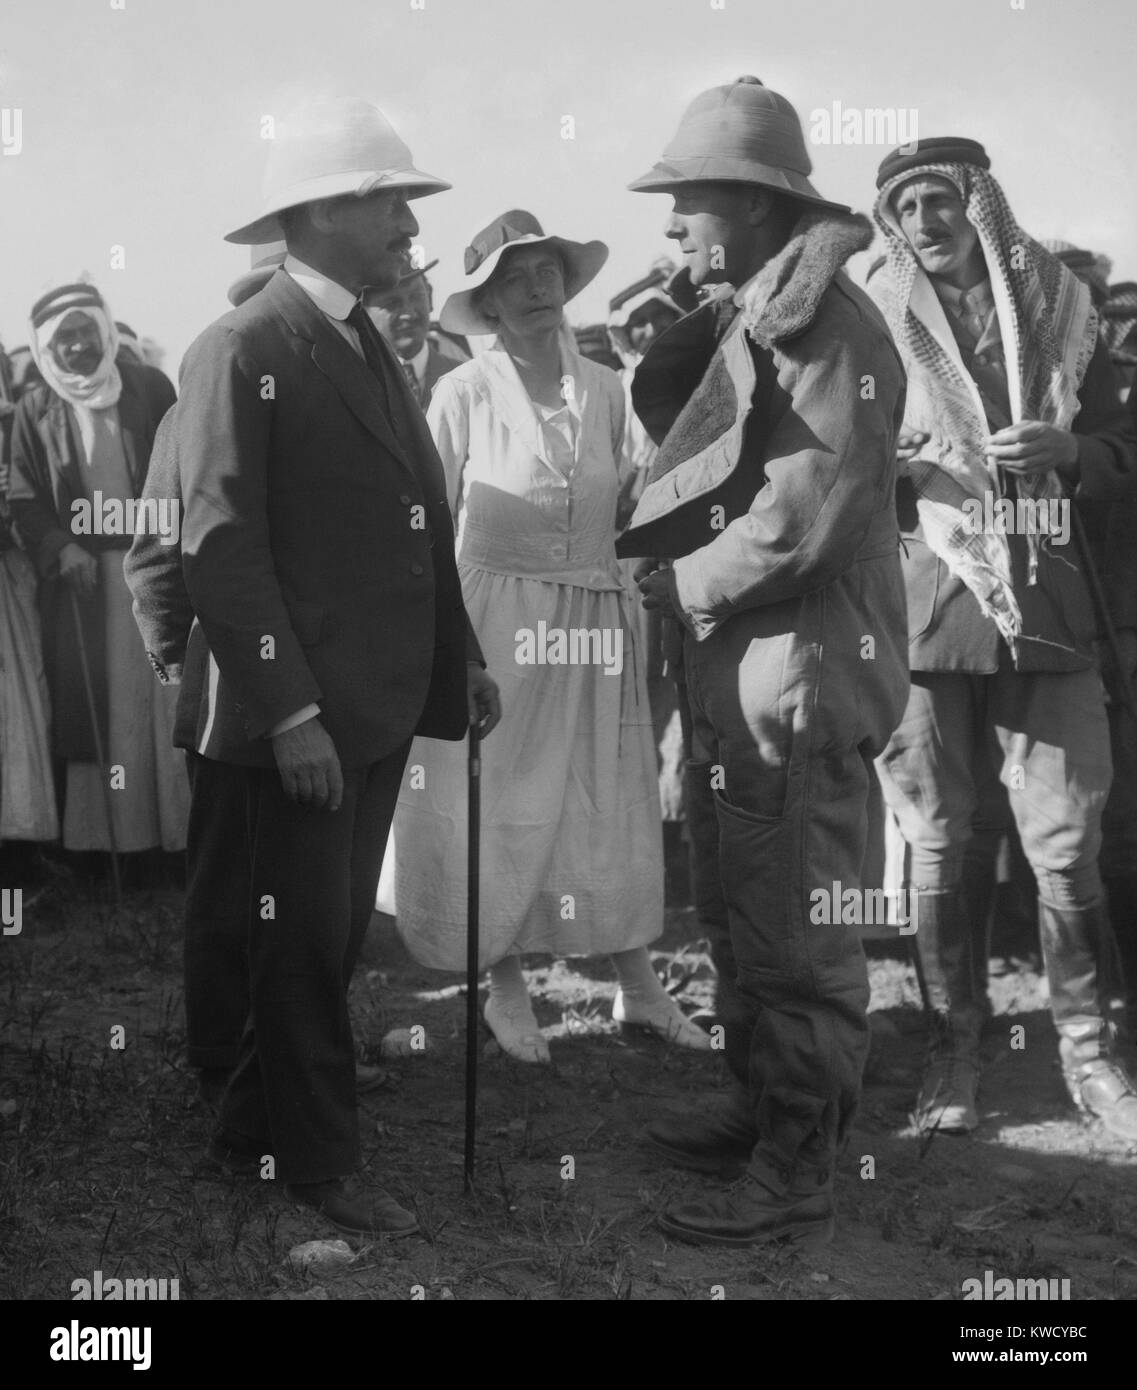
(665, 1020)
(517, 1034)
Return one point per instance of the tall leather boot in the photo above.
(1122, 893)
(1074, 943)
(980, 863)
(951, 1076)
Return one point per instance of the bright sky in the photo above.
(141, 120)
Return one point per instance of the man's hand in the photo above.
(654, 583)
(483, 703)
(908, 445)
(1030, 448)
(309, 766)
(78, 568)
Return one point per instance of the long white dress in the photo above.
(571, 859)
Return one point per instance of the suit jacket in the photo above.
(317, 548)
(46, 478)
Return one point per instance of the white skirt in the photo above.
(571, 844)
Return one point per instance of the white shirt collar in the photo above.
(328, 297)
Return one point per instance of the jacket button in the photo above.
(416, 568)
(558, 552)
(404, 499)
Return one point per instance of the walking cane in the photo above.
(472, 894)
(90, 691)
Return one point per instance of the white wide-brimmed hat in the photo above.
(328, 149)
(582, 259)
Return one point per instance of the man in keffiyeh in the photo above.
(1012, 411)
(81, 442)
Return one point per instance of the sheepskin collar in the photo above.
(782, 300)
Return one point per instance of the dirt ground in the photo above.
(99, 1145)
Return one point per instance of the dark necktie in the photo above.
(409, 373)
(379, 362)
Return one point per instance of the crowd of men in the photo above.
(884, 539)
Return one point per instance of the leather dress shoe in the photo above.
(757, 1212)
(353, 1208)
(721, 1137)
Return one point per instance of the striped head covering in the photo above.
(1049, 329)
(99, 390)
(1089, 266)
(1119, 323)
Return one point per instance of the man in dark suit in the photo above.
(402, 315)
(318, 557)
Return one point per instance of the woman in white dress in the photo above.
(530, 435)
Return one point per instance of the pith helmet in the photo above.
(327, 149)
(740, 133)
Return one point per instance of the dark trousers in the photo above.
(780, 739)
(218, 884)
(314, 875)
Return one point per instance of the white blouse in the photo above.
(533, 492)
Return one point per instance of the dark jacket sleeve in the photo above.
(1107, 435)
(30, 493)
(153, 568)
(222, 434)
(474, 655)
